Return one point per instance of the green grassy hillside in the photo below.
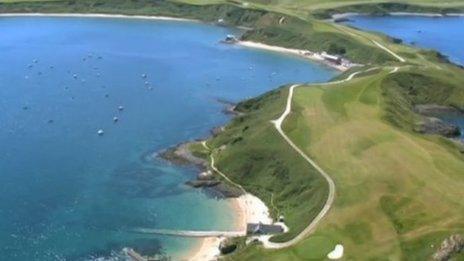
(398, 192)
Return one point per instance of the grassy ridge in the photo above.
(385, 8)
(398, 192)
(316, 36)
(252, 153)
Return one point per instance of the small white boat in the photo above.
(100, 132)
(115, 119)
(120, 108)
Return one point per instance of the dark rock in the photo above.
(435, 110)
(432, 125)
(181, 155)
(224, 190)
(203, 183)
(227, 247)
(342, 20)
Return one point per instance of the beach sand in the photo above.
(96, 15)
(298, 52)
(248, 209)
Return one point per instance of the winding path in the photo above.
(381, 46)
(278, 125)
(213, 166)
(330, 198)
(401, 59)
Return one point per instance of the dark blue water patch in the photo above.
(66, 192)
(457, 120)
(444, 34)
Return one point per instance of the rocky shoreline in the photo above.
(431, 122)
(182, 155)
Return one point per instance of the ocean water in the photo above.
(457, 120)
(67, 193)
(444, 34)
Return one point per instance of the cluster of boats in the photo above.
(120, 108)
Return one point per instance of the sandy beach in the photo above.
(298, 52)
(97, 15)
(248, 209)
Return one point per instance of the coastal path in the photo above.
(330, 198)
(381, 46)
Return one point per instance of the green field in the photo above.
(398, 193)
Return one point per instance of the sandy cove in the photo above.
(298, 52)
(97, 15)
(248, 209)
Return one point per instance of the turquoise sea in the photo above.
(444, 34)
(67, 193)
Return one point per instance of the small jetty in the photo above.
(252, 230)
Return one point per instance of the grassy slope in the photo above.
(254, 155)
(398, 193)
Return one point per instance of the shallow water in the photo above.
(67, 193)
(444, 34)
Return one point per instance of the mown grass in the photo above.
(253, 154)
(398, 192)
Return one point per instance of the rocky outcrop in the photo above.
(449, 247)
(181, 155)
(216, 188)
(434, 110)
(432, 125)
(227, 246)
